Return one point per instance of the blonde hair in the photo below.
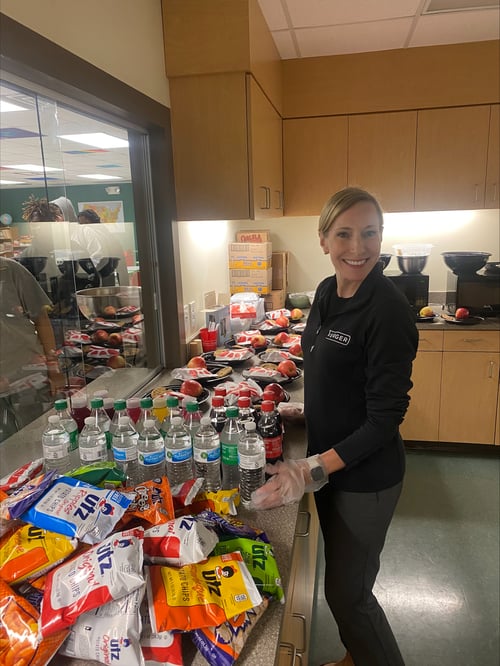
(342, 201)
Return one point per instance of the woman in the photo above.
(358, 344)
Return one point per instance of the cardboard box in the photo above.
(250, 255)
(280, 270)
(217, 312)
(253, 236)
(238, 289)
(251, 278)
(275, 300)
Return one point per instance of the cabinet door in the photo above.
(210, 146)
(492, 195)
(469, 395)
(265, 140)
(422, 418)
(452, 146)
(315, 162)
(381, 157)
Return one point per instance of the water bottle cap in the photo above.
(78, 401)
(96, 403)
(103, 393)
(60, 404)
(217, 401)
(89, 420)
(149, 423)
(250, 425)
(120, 404)
(205, 420)
(53, 418)
(172, 401)
(146, 403)
(133, 402)
(160, 401)
(177, 420)
(192, 406)
(267, 406)
(232, 411)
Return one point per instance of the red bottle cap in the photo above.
(217, 401)
(267, 406)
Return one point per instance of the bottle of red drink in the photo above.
(218, 413)
(79, 410)
(134, 408)
(270, 429)
(220, 391)
(268, 395)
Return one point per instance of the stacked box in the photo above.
(250, 267)
(275, 300)
(253, 236)
(280, 271)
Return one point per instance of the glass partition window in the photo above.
(70, 288)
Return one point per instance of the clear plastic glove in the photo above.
(289, 481)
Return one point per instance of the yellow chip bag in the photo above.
(200, 595)
(31, 551)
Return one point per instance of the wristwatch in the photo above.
(319, 475)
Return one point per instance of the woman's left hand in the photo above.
(286, 485)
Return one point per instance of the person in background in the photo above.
(66, 210)
(359, 343)
(30, 376)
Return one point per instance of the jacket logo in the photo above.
(338, 337)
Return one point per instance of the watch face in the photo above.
(317, 473)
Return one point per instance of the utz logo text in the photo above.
(338, 337)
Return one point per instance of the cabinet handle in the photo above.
(491, 365)
(293, 651)
(280, 199)
(268, 198)
(495, 191)
(472, 340)
(476, 192)
(305, 533)
(267, 203)
(302, 617)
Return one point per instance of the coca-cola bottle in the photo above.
(270, 429)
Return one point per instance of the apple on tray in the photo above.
(115, 340)
(461, 313)
(296, 314)
(258, 341)
(100, 337)
(296, 350)
(197, 362)
(281, 338)
(116, 361)
(276, 391)
(109, 311)
(287, 368)
(191, 387)
(282, 322)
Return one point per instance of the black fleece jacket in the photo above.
(358, 355)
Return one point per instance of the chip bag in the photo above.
(162, 648)
(151, 504)
(30, 551)
(200, 595)
(101, 474)
(22, 498)
(180, 541)
(18, 478)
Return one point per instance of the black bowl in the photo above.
(384, 259)
(465, 263)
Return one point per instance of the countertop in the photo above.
(440, 324)
(279, 524)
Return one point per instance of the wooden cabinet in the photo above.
(469, 391)
(422, 418)
(315, 162)
(452, 147)
(381, 157)
(492, 194)
(225, 166)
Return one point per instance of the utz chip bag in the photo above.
(200, 595)
(107, 571)
(22, 498)
(109, 634)
(180, 541)
(231, 527)
(20, 644)
(101, 474)
(261, 563)
(77, 509)
(222, 645)
(30, 551)
(22, 474)
(151, 504)
(162, 648)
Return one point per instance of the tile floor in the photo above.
(439, 578)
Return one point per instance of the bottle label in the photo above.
(73, 439)
(125, 455)
(274, 446)
(55, 452)
(93, 454)
(252, 462)
(229, 454)
(152, 458)
(178, 455)
(207, 456)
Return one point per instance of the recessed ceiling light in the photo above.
(96, 139)
(5, 107)
(11, 182)
(31, 167)
(99, 176)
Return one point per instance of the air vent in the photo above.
(441, 6)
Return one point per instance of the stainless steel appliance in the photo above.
(478, 292)
(415, 286)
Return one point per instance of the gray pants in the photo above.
(354, 527)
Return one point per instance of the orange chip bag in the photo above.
(31, 551)
(152, 504)
(200, 595)
(19, 643)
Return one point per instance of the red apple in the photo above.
(109, 311)
(280, 338)
(191, 387)
(461, 313)
(258, 341)
(100, 337)
(116, 361)
(287, 368)
(282, 322)
(115, 339)
(296, 313)
(197, 362)
(296, 349)
(275, 391)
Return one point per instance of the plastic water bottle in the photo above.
(55, 445)
(173, 410)
(146, 413)
(178, 453)
(101, 418)
(206, 454)
(107, 402)
(270, 429)
(92, 446)
(120, 412)
(229, 449)
(124, 445)
(71, 427)
(150, 452)
(218, 413)
(192, 418)
(79, 410)
(251, 462)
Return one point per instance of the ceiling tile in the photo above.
(274, 14)
(358, 38)
(285, 45)
(457, 27)
(332, 12)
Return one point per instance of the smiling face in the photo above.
(353, 242)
